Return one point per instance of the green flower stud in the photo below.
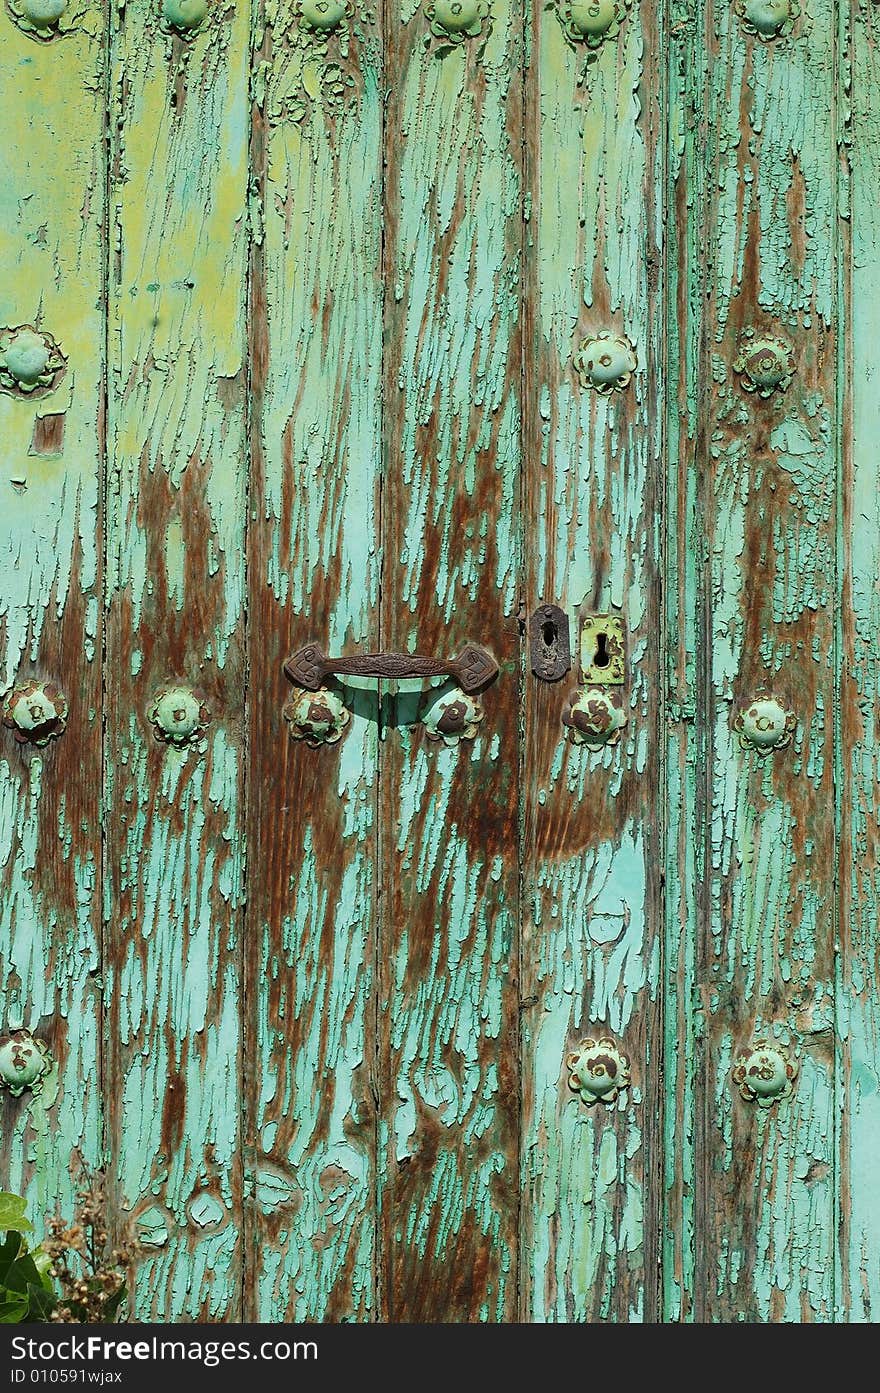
(606, 362)
(24, 1063)
(179, 715)
(318, 718)
(30, 362)
(452, 717)
(591, 22)
(184, 17)
(594, 716)
(456, 20)
(764, 725)
(767, 19)
(765, 364)
(322, 16)
(764, 1074)
(598, 1070)
(37, 18)
(35, 712)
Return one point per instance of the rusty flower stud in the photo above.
(24, 1063)
(765, 364)
(594, 716)
(599, 1070)
(763, 1074)
(30, 361)
(456, 20)
(452, 717)
(179, 715)
(318, 718)
(764, 725)
(35, 712)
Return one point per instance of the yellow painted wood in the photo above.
(52, 222)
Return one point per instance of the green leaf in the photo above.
(13, 1307)
(40, 1303)
(17, 1268)
(12, 1211)
(112, 1304)
(10, 1248)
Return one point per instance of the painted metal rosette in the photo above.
(323, 16)
(457, 20)
(765, 725)
(765, 364)
(183, 17)
(595, 717)
(767, 19)
(605, 362)
(318, 718)
(24, 1063)
(31, 362)
(591, 22)
(35, 712)
(179, 715)
(452, 716)
(598, 1070)
(42, 20)
(764, 1074)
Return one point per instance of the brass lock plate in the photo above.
(603, 650)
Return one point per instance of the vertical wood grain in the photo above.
(593, 839)
(52, 210)
(767, 487)
(315, 325)
(858, 1294)
(448, 945)
(684, 642)
(175, 597)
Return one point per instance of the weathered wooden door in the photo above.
(332, 329)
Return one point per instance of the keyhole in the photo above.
(548, 630)
(602, 658)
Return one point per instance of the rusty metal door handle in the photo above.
(472, 669)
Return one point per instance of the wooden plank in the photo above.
(175, 596)
(765, 964)
(593, 845)
(448, 942)
(858, 1060)
(316, 363)
(684, 643)
(52, 221)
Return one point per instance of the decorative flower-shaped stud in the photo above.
(453, 716)
(184, 16)
(606, 362)
(456, 19)
(767, 19)
(764, 725)
(763, 1074)
(178, 715)
(38, 18)
(318, 717)
(591, 22)
(599, 1070)
(765, 364)
(29, 361)
(35, 712)
(594, 716)
(320, 16)
(24, 1062)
